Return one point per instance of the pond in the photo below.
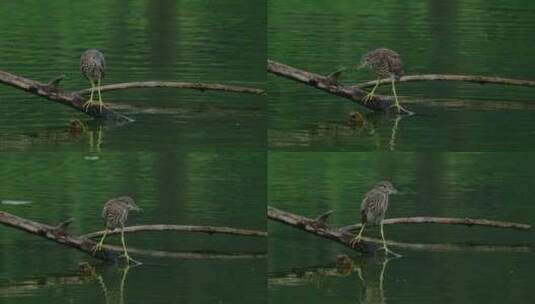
(477, 185)
(171, 188)
(189, 41)
(433, 37)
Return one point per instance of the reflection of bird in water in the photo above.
(372, 292)
(373, 209)
(114, 295)
(115, 212)
(385, 63)
(93, 66)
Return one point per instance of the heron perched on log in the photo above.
(373, 209)
(385, 63)
(93, 66)
(115, 212)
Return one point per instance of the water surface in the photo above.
(192, 41)
(489, 185)
(171, 188)
(433, 37)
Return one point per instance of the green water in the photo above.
(432, 37)
(195, 41)
(216, 158)
(488, 185)
(171, 188)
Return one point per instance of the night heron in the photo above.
(92, 66)
(373, 209)
(385, 63)
(115, 212)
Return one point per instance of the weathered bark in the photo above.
(176, 85)
(445, 220)
(379, 103)
(109, 253)
(369, 245)
(51, 91)
(319, 228)
(465, 78)
(58, 235)
(182, 228)
(76, 100)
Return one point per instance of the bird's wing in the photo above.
(370, 202)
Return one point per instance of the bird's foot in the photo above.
(90, 103)
(97, 248)
(368, 97)
(355, 241)
(400, 109)
(388, 251)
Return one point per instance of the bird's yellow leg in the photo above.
(98, 246)
(101, 104)
(385, 248)
(89, 102)
(356, 239)
(124, 247)
(370, 95)
(399, 107)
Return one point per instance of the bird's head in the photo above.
(387, 187)
(130, 203)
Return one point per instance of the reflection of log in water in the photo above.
(370, 280)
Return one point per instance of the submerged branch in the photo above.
(176, 85)
(466, 78)
(445, 220)
(181, 228)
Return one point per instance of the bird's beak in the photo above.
(395, 191)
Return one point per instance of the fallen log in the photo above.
(445, 220)
(181, 228)
(52, 92)
(465, 78)
(321, 229)
(76, 100)
(369, 245)
(379, 103)
(109, 253)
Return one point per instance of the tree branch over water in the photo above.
(445, 220)
(465, 78)
(181, 228)
(369, 245)
(112, 254)
(176, 85)
(379, 103)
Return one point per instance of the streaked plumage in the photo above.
(375, 203)
(115, 213)
(373, 208)
(92, 65)
(383, 62)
